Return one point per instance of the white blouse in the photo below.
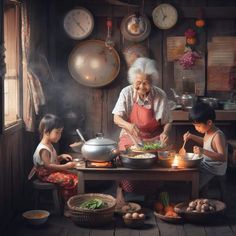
(37, 158)
(157, 97)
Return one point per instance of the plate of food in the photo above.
(129, 207)
(174, 218)
(200, 210)
(164, 209)
(149, 147)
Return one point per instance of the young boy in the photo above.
(213, 144)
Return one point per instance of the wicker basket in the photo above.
(91, 218)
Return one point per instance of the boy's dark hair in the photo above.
(201, 113)
(49, 122)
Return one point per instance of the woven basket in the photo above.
(91, 218)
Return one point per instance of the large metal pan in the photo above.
(129, 160)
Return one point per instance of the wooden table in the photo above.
(155, 173)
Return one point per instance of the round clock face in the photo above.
(78, 23)
(164, 16)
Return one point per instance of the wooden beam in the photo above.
(184, 12)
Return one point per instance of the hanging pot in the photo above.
(100, 149)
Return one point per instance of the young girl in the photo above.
(47, 162)
(214, 144)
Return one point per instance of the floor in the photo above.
(222, 226)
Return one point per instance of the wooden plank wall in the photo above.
(95, 104)
(63, 94)
(16, 150)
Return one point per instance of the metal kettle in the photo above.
(186, 100)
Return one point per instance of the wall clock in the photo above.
(165, 16)
(78, 23)
(92, 64)
(135, 28)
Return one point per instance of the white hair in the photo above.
(143, 65)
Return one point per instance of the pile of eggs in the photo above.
(201, 205)
(134, 215)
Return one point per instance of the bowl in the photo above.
(138, 161)
(76, 147)
(36, 217)
(190, 160)
(172, 219)
(91, 217)
(200, 217)
(162, 155)
(130, 207)
(134, 223)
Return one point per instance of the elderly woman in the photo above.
(142, 111)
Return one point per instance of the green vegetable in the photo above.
(164, 198)
(152, 146)
(93, 204)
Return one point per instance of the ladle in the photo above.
(80, 135)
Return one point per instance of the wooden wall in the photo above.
(64, 94)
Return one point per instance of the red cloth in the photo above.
(150, 129)
(67, 181)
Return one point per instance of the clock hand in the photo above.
(163, 15)
(77, 23)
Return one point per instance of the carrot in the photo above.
(170, 214)
(169, 209)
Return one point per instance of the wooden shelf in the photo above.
(221, 115)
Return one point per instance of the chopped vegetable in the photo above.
(152, 146)
(93, 204)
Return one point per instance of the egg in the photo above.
(141, 216)
(128, 216)
(135, 215)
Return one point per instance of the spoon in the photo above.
(137, 144)
(80, 135)
(182, 151)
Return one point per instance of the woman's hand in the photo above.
(164, 137)
(65, 157)
(187, 136)
(133, 129)
(198, 150)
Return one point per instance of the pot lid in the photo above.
(100, 141)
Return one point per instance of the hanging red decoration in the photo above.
(200, 23)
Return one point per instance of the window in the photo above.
(11, 80)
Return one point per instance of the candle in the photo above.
(175, 162)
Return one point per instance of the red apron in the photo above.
(145, 120)
(150, 130)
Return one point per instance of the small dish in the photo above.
(36, 217)
(134, 223)
(130, 207)
(172, 219)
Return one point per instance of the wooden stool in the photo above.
(39, 186)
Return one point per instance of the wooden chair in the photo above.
(40, 186)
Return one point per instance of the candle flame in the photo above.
(175, 162)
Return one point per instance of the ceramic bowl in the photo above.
(36, 217)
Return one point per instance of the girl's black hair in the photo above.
(201, 113)
(48, 123)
